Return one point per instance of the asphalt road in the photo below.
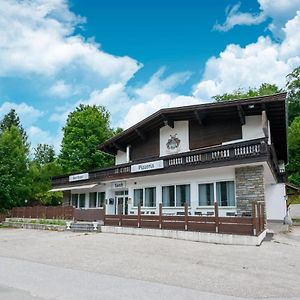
(36, 265)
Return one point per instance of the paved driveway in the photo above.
(49, 265)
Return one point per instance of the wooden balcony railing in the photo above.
(190, 160)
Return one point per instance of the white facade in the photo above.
(122, 192)
(275, 196)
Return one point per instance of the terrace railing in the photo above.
(58, 212)
(252, 225)
(193, 159)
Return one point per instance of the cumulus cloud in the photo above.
(235, 17)
(37, 37)
(256, 63)
(278, 12)
(27, 113)
(61, 90)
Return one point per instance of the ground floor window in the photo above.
(75, 200)
(150, 197)
(225, 193)
(81, 200)
(138, 197)
(101, 199)
(206, 194)
(93, 200)
(145, 197)
(178, 199)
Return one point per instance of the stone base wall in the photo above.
(249, 187)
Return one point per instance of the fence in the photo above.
(252, 225)
(57, 212)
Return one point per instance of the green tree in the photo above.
(13, 168)
(294, 152)
(86, 128)
(264, 90)
(12, 119)
(44, 154)
(293, 88)
(39, 180)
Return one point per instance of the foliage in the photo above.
(40, 183)
(41, 221)
(86, 128)
(294, 152)
(293, 87)
(44, 154)
(12, 119)
(13, 168)
(264, 90)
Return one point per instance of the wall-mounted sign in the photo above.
(78, 177)
(118, 185)
(153, 165)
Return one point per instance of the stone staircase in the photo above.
(83, 227)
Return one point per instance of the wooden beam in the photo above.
(119, 147)
(241, 114)
(168, 121)
(264, 120)
(140, 134)
(200, 117)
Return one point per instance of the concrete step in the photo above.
(82, 227)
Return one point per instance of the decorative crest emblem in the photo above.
(173, 143)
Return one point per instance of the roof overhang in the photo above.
(275, 107)
(70, 188)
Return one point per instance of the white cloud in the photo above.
(142, 110)
(61, 90)
(134, 103)
(249, 66)
(39, 136)
(28, 114)
(235, 17)
(279, 12)
(37, 37)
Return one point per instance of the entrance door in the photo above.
(121, 198)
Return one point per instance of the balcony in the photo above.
(243, 152)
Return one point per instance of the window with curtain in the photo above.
(138, 197)
(101, 199)
(93, 200)
(82, 200)
(75, 200)
(206, 194)
(183, 192)
(150, 197)
(226, 193)
(168, 196)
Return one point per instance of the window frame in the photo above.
(98, 199)
(144, 196)
(234, 193)
(214, 194)
(175, 195)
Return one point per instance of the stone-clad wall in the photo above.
(249, 187)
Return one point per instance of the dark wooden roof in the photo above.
(274, 105)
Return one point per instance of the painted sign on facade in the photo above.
(153, 165)
(78, 177)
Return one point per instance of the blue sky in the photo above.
(136, 57)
